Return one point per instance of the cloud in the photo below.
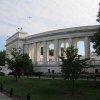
(46, 14)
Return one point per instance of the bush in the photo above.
(11, 73)
(2, 74)
(37, 73)
(28, 74)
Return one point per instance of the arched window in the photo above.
(41, 50)
(81, 48)
(67, 45)
(62, 49)
(51, 50)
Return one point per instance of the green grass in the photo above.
(46, 89)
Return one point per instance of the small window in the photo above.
(41, 50)
(62, 51)
(51, 52)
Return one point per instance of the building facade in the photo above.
(45, 48)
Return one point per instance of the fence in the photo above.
(95, 62)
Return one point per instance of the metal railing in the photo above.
(39, 62)
(51, 62)
(90, 62)
(48, 62)
(94, 62)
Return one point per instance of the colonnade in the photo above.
(33, 49)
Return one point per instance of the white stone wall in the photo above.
(31, 44)
(45, 69)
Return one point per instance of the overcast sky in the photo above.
(36, 16)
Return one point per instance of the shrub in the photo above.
(2, 74)
(11, 73)
(37, 74)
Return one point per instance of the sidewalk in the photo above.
(4, 97)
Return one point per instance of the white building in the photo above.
(45, 48)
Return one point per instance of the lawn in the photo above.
(47, 89)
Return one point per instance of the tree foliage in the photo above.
(2, 58)
(19, 63)
(95, 39)
(98, 16)
(72, 66)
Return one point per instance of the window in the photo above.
(81, 48)
(41, 50)
(62, 51)
(51, 50)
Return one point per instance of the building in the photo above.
(45, 48)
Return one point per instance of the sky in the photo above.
(35, 16)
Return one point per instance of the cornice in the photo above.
(17, 39)
(57, 32)
(64, 31)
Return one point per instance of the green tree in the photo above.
(19, 63)
(95, 39)
(2, 58)
(72, 65)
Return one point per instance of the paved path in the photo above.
(4, 97)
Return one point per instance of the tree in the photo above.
(72, 65)
(98, 16)
(2, 58)
(95, 39)
(19, 63)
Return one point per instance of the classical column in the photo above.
(75, 43)
(26, 48)
(32, 52)
(64, 48)
(47, 52)
(87, 47)
(35, 53)
(44, 53)
(56, 52)
(70, 42)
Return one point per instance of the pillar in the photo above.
(56, 52)
(75, 43)
(87, 47)
(70, 42)
(32, 52)
(26, 48)
(35, 53)
(44, 53)
(64, 48)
